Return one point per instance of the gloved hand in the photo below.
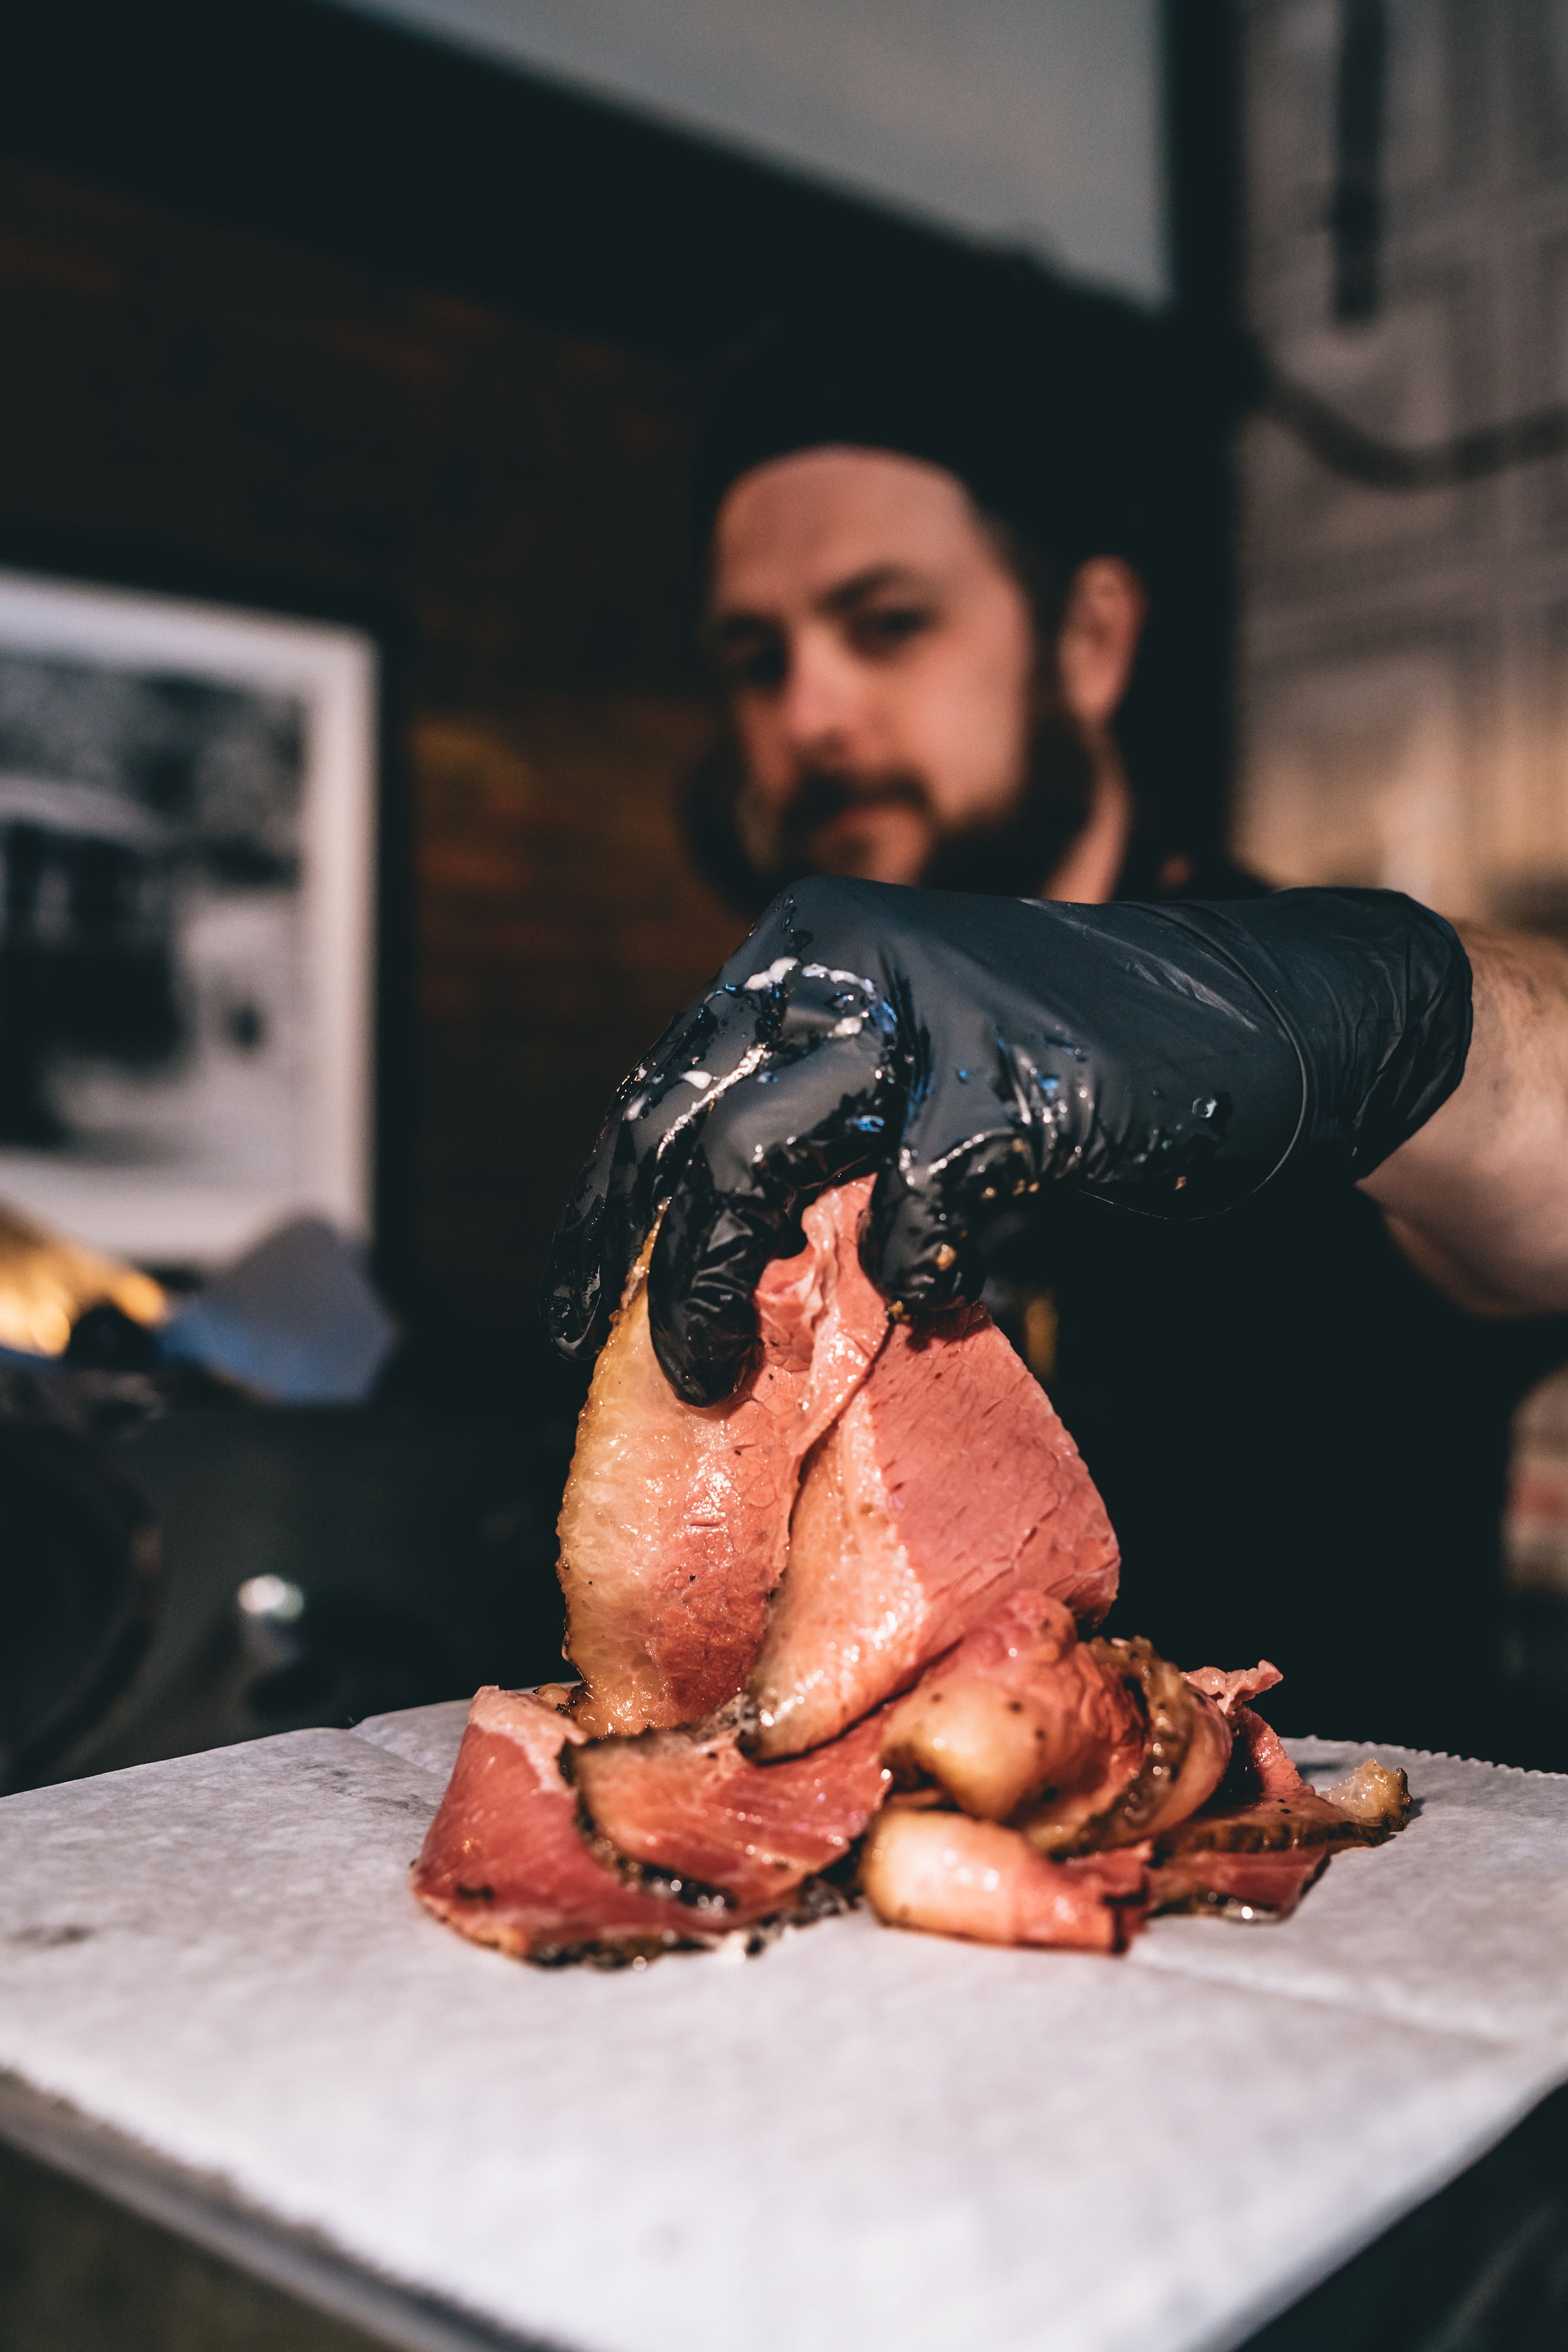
(971, 1051)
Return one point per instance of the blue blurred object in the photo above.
(295, 1321)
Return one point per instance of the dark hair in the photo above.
(1040, 574)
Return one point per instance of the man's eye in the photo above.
(754, 663)
(888, 627)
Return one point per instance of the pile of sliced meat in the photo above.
(838, 1632)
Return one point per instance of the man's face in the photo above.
(880, 660)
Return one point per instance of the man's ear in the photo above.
(1099, 640)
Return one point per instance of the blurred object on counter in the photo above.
(323, 1559)
(325, 1563)
(79, 1587)
(47, 1283)
(105, 1341)
(339, 1656)
(295, 1321)
(53, 1392)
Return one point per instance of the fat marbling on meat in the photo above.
(947, 1482)
(676, 1517)
(689, 1804)
(505, 1861)
(856, 1603)
(1087, 1813)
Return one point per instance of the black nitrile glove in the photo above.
(968, 1051)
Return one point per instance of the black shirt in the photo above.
(1302, 1446)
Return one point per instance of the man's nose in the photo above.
(823, 706)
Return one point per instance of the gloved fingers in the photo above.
(588, 1255)
(766, 1146)
(647, 1135)
(980, 1141)
(606, 1220)
(772, 1003)
(921, 1246)
(706, 1262)
(784, 1079)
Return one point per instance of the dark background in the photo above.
(303, 310)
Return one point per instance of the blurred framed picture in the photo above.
(188, 843)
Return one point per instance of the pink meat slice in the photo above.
(694, 1806)
(946, 1482)
(676, 1519)
(504, 1861)
(1260, 1885)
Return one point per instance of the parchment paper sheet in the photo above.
(861, 2139)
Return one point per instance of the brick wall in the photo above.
(514, 494)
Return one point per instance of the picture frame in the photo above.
(191, 840)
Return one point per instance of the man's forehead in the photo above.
(799, 527)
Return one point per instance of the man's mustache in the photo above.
(748, 851)
(824, 794)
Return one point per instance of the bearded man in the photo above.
(1281, 1180)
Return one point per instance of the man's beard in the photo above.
(1010, 855)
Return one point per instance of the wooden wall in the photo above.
(514, 494)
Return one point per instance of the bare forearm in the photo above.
(1478, 1197)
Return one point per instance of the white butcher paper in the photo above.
(860, 2138)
